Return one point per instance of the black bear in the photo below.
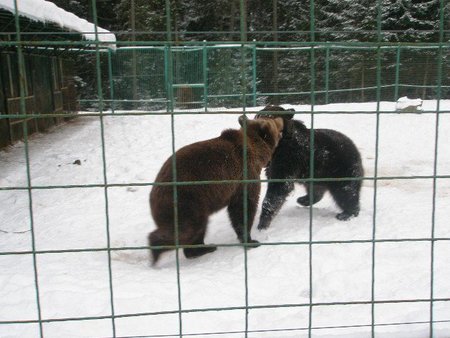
(335, 156)
(217, 159)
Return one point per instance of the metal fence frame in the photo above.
(102, 114)
(112, 56)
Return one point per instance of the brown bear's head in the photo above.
(272, 112)
(268, 131)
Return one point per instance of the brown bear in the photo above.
(217, 159)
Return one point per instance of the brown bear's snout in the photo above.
(274, 129)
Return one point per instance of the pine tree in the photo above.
(410, 20)
(205, 18)
(414, 21)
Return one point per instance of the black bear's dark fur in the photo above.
(335, 156)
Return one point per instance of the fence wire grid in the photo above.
(175, 73)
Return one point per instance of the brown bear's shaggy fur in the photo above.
(217, 159)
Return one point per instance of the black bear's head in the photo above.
(276, 111)
(272, 111)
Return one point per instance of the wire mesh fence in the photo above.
(176, 75)
(213, 82)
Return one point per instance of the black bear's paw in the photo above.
(304, 200)
(345, 216)
(263, 224)
(197, 252)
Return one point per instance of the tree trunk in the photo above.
(425, 78)
(275, 99)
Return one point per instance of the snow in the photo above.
(74, 284)
(46, 11)
(406, 104)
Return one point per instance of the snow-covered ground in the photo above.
(74, 284)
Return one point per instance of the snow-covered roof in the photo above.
(48, 12)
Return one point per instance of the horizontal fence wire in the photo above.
(158, 113)
(231, 308)
(229, 245)
(187, 183)
(298, 329)
(107, 103)
(223, 44)
(281, 330)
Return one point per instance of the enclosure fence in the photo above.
(205, 76)
(139, 78)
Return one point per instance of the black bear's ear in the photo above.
(241, 120)
(289, 116)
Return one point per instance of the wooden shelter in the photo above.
(49, 78)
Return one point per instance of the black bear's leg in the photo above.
(273, 201)
(200, 251)
(236, 212)
(318, 192)
(346, 195)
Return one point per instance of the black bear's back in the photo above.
(336, 155)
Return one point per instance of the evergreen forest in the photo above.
(357, 39)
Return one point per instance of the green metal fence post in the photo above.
(205, 75)
(327, 73)
(22, 107)
(254, 72)
(111, 80)
(169, 91)
(243, 37)
(375, 181)
(397, 72)
(104, 162)
(435, 164)
(174, 161)
(311, 159)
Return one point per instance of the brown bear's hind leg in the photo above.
(200, 251)
(197, 252)
(159, 238)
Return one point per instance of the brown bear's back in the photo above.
(217, 159)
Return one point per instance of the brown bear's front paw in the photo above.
(253, 243)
